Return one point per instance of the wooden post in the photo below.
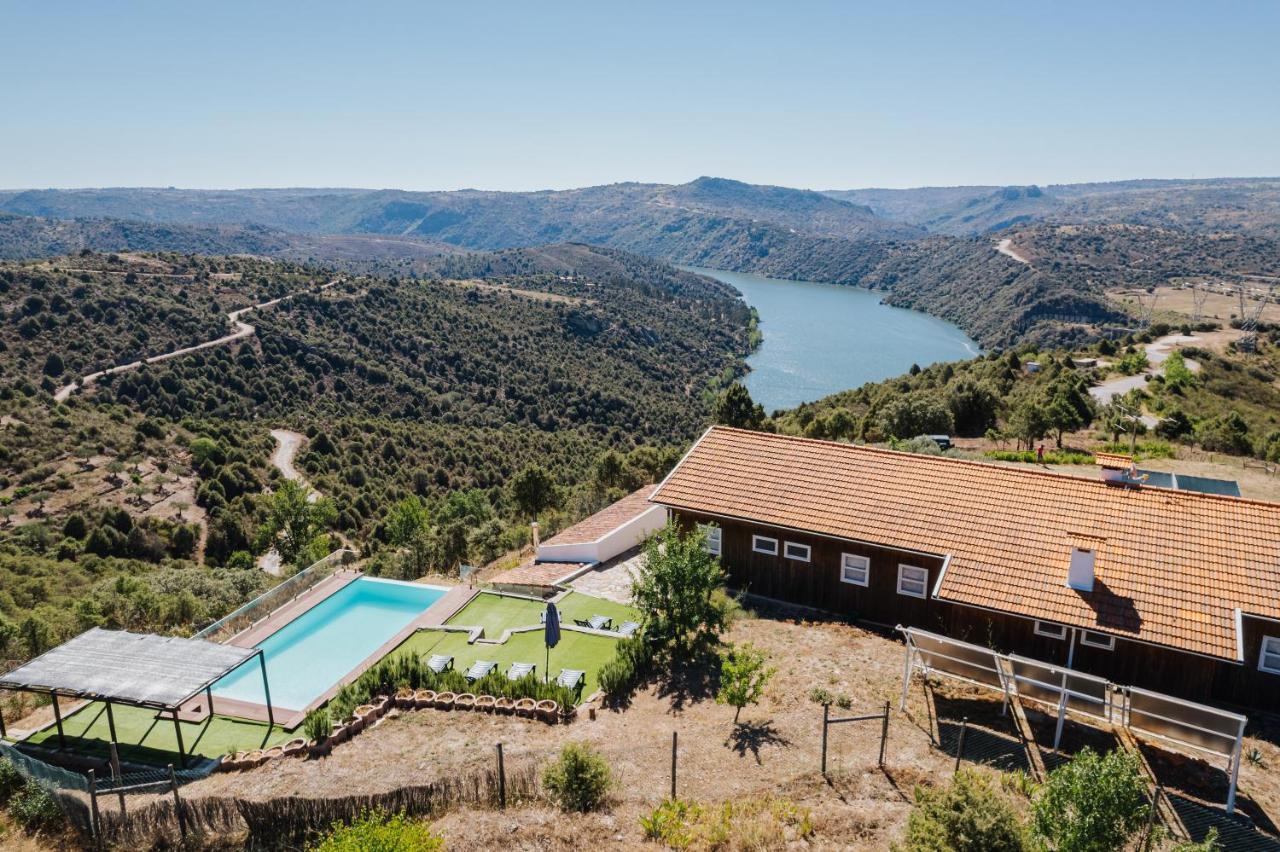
(1151, 819)
(177, 730)
(57, 717)
(826, 714)
(111, 722)
(964, 726)
(95, 821)
(675, 739)
(177, 803)
(116, 775)
(208, 694)
(884, 734)
(502, 781)
(3, 732)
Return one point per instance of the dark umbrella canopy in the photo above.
(551, 630)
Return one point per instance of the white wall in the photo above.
(610, 544)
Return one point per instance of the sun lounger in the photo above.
(440, 663)
(519, 670)
(572, 678)
(628, 628)
(481, 668)
(582, 622)
(600, 622)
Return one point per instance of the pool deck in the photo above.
(196, 709)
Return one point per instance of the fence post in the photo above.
(1151, 818)
(116, 775)
(675, 738)
(964, 726)
(884, 735)
(502, 781)
(826, 714)
(95, 822)
(177, 804)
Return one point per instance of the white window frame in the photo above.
(786, 551)
(1049, 630)
(1263, 653)
(756, 541)
(863, 564)
(903, 568)
(1104, 641)
(714, 538)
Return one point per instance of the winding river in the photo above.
(824, 338)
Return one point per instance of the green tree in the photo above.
(973, 406)
(533, 490)
(840, 424)
(8, 634)
(53, 365)
(376, 831)
(409, 526)
(36, 635)
(967, 815)
(678, 590)
(1226, 433)
(1174, 425)
(1177, 375)
(743, 677)
(1094, 803)
(735, 408)
(1029, 422)
(293, 521)
(916, 413)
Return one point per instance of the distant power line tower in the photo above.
(1199, 295)
(1146, 308)
(1250, 315)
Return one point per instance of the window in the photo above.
(1097, 640)
(1269, 661)
(763, 544)
(799, 552)
(855, 569)
(912, 581)
(714, 534)
(1051, 630)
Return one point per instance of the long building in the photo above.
(1172, 590)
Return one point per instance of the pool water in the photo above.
(317, 649)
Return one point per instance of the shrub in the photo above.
(34, 808)
(376, 831)
(11, 779)
(318, 725)
(743, 677)
(745, 824)
(579, 779)
(1095, 803)
(967, 814)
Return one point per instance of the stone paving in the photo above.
(612, 580)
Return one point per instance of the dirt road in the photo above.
(1157, 351)
(1005, 247)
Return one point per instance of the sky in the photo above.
(549, 95)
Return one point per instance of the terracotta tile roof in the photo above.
(1171, 568)
(607, 519)
(546, 574)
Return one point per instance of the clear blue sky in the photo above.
(528, 95)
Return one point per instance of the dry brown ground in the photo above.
(775, 753)
(1217, 306)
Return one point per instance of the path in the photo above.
(1157, 351)
(287, 445)
(241, 331)
(1005, 247)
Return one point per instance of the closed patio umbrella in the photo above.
(551, 635)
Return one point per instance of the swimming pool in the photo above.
(314, 651)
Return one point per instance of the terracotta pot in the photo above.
(484, 703)
(424, 698)
(383, 703)
(548, 710)
(465, 701)
(367, 714)
(295, 746)
(405, 700)
(354, 725)
(321, 749)
(341, 733)
(253, 758)
(228, 763)
(272, 753)
(504, 705)
(444, 700)
(567, 713)
(525, 707)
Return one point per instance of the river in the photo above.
(824, 338)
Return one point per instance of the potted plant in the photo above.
(295, 746)
(547, 710)
(504, 705)
(272, 753)
(525, 706)
(444, 700)
(424, 698)
(484, 703)
(465, 701)
(382, 704)
(405, 699)
(567, 713)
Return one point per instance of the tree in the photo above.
(677, 590)
(534, 490)
(840, 424)
(1177, 375)
(36, 635)
(1028, 422)
(1062, 417)
(973, 406)
(1174, 425)
(743, 676)
(8, 633)
(293, 521)
(735, 408)
(53, 365)
(1094, 803)
(409, 526)
(916, 413)
(968, 815)
(1226, 433)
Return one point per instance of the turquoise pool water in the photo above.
(314, 651)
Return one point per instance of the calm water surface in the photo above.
(823, 338)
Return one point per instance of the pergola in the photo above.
(135, 669)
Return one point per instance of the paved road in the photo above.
(1157, 351)
(240, 331)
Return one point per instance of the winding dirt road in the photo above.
(1157, 351)
(1005, 247)
(240, 331)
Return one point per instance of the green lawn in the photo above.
(497, 613)
(575, 651)
(146, 738)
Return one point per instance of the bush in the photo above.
(579, 779)
(1095, 803)
(375, 831)
(967, 814)
(743, 824)
(34, 808)
(318, 725)
(630, 664)
(11, 779)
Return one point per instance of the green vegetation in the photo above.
(746, 824)
(679, 591)
(1094, 803)
(743, 677)
(969, 814)
(496, 612)
(579, 779)
(380, 832)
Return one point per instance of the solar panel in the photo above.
(1185, 482)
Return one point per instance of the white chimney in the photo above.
(1080, 573)
(534, 526)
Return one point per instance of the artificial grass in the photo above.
(147, 738)
(575, 651)
(496, 612)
